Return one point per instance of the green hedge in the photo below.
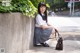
(56, 4)
(26, 7)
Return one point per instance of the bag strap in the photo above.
(57, 33)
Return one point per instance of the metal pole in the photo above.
(59, 6)
(70, 11)
(73, 7)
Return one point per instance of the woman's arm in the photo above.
(53, 27)
(44, 26)
(40, 21)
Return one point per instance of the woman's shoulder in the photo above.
(38, 15)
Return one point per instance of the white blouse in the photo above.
(40, 21)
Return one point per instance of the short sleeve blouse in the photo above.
(40, 21)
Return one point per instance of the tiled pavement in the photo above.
(70, 34)
(71, 44)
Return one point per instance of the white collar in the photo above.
(43, 14)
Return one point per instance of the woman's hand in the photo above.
(53, 28)
(45, 27)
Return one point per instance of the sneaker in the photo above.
(37, 45)
(45, 44)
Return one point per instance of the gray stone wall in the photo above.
(15, 32)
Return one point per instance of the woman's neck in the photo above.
(42, 13)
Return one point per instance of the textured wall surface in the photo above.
(15, 32)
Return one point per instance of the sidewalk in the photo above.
(69, 24)
(69, 28)
(71, 45)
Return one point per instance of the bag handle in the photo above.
(56, 32)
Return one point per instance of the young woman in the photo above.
(43, 30)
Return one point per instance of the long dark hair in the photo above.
(45, 13)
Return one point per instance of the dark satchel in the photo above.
(59, 45)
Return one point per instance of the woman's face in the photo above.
(42, 9)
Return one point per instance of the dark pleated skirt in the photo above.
(40, 35)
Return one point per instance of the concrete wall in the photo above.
(15, 32)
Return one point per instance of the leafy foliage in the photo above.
(5, 9)
(26, 7)
(29, 7)
(36, 2)
(56, 4)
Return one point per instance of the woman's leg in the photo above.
(37, 36)
(53, 33)
(46, 34)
